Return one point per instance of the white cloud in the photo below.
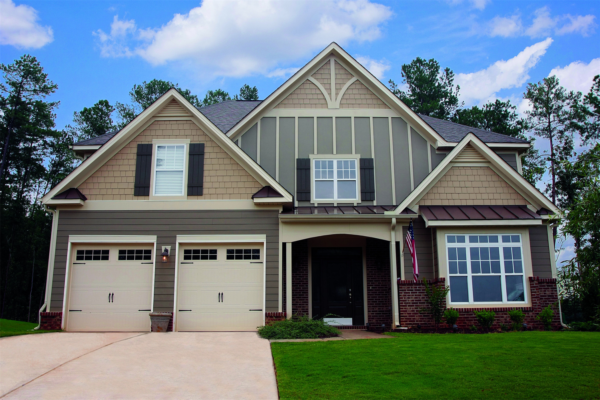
(282, 72)
(578, 24)
(240, 38)
(20, 28)
(484, 84)
(505, 26)
(578, 75)
(478, 4)
(543, 24)
(377, 68)
(114, 44)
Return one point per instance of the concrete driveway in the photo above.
(222, 365)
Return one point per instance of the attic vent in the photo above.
(173, 109)
(469, 154)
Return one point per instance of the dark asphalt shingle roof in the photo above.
(228, 113)
(454, 133)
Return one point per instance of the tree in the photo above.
(247, 93)
(142, 96)
(429, 91)
(94, 121)
(215, 97)
(552, 116)
(590, 113)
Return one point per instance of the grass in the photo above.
(14, 328)
(545, 365)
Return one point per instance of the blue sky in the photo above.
(99, 49)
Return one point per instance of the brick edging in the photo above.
(421, 282)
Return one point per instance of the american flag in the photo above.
(410, 243)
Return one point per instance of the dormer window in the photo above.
(169, 170)
(335, 180)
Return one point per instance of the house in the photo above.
(245, 212)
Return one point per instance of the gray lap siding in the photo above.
(166, 225)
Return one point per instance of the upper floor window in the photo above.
(169, 170)
(335, 180)
(485, 268)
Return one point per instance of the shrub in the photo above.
(298, 328)
(504, 328)
(451, 316)
(517, 317)
(473, 328)
(435, 299)
(485, 318)
(545, 317)
(589, 326)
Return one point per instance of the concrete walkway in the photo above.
(223, 365)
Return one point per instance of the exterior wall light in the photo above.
(165, 253)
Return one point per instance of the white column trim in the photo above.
(410, 159)
(288, 280)
(394, 276)
(392, 164)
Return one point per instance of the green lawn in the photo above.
(14, 328)
(544, 365)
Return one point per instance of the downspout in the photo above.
(50, 272)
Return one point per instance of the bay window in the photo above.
(485, 268)
(169, 170)
(335, 180)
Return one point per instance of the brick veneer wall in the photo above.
(300, 278)
(50, 321)
(271, 317)
(412, 298)
(379, 297)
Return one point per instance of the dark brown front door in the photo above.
(337, 283)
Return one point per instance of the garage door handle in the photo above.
(112, 299)
(74, 310)
(255, 309)
(109, 297)
(143, 310)
(185, 310)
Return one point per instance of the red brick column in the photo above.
(271, 317)
(379, 291)
(300, 278)
(50, 321)
(413, 303)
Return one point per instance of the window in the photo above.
(243, 254)
(335, 180)
(485, 268)
(92, 255)
(135, 255)
(200, 254)
(169, 170)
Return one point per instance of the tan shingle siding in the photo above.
(342, 76)
(306, 95)
(359, 96)
(472, 186)
(224, 178)
(323, 75)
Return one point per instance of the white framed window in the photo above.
(335, 180)
(169, 170)
(485, 268)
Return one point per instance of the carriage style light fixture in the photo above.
(165, 253)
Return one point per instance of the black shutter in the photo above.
(303, 179)
(367, 179)
(143, 170)
(196, 170)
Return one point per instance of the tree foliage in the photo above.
(429, 91)
(247, 93)
(94, 121)
(215, 97)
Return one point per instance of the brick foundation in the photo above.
(300, 278)
(412, 299)
(272, 317)
(379, 297)
(50, 321)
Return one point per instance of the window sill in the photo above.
(487, 306)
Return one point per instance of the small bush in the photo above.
(588, 326)
(517, 317)
(473, 328)
(451, 316)
(504, 328)
(485, 318)
(545, 317)
(298, 328)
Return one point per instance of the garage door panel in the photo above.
(109, 322)
(189, 299)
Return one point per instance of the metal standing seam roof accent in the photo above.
(345, 210)
(266, 192)
(70, 194)
(461, 213)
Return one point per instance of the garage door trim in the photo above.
(99, 239)
(224, 239)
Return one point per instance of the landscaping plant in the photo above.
(451, 316)
(485, 318)
(298, 328)
(517, 317)
(436, 297)
(545, 317)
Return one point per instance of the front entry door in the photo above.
(337, 283)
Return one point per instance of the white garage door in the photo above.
(111, 287)
(220, 287)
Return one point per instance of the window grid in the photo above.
(200, 254)
(92, 255)
(337, 172)
(135, 255)
(169, 170)
(243, 254)
(483, 256)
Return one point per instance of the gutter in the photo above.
(50, 271)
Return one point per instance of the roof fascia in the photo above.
(82, 148)
(96, 160)
(363, 75)
(64, 202)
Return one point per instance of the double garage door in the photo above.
(219, 287)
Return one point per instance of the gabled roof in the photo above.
(70, 194)
(96, 160)
(453, 132)
(97, 141)
(228, 113)
(516, 180)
